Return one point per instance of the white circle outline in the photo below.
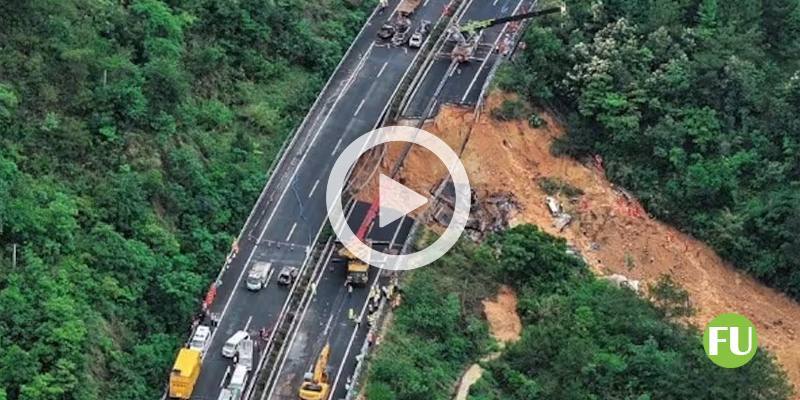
(338, 178)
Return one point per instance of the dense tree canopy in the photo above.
(582, 337)
(134, 138)
(693, 104)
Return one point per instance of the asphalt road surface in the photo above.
(464, 84)
(327, 320)
(290, 213)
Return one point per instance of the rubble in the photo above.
(488, 214)
(621, 281)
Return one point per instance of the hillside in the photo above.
(134, 138)
(581, 337)
(691, 105)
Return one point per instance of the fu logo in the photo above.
(730, 340)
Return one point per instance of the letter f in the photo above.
(714, 340)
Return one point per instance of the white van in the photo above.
(232, 344)
(259, 275)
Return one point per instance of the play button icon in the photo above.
(396, 200)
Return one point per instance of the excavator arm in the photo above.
(317, 387)
(474, 26)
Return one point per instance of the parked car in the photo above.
(287, 275)
(259, 275)
(419, 35)
(201, 339)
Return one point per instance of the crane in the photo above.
(466, 35)
(315, 385)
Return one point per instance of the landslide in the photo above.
(609, 228)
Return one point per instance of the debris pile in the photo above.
(488, 214)
(560, 217)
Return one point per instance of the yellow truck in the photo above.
(357, 270)
(184, 374)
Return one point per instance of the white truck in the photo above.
(238, 381)
(246, 354)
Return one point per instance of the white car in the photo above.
(419, 36)
(201, 339)
(259, 275)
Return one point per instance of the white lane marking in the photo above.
(485, 59)
(425, 3)
(311, 193)
(313, 139)
(353, 336)
(336, 148)
(382, 68)
(297, 328)
(311, 145)
(328, 325)
(359, 107)
(235, 286)
(249, 320)
(225, 376)
(494, 3)
(291, 231)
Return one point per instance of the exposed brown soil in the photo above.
(504, 325)
(501, 313)
(609, 229)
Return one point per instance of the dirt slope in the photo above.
(612, 232)
(504, 325)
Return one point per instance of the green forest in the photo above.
(582, 337)
(694, 105)
(134, 138)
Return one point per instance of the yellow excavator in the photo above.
(315, 385)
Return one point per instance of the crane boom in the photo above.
(322, 364)
(472, 26)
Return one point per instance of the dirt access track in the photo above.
(608, 228)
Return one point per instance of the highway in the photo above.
(291, 212)
(465, 82)
(327, 319)
(289, 215)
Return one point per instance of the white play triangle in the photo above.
(396, 200)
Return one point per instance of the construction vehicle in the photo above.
(315, 384)
(466, 36)
(407, 7)
(184, 373)
(357, 270)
